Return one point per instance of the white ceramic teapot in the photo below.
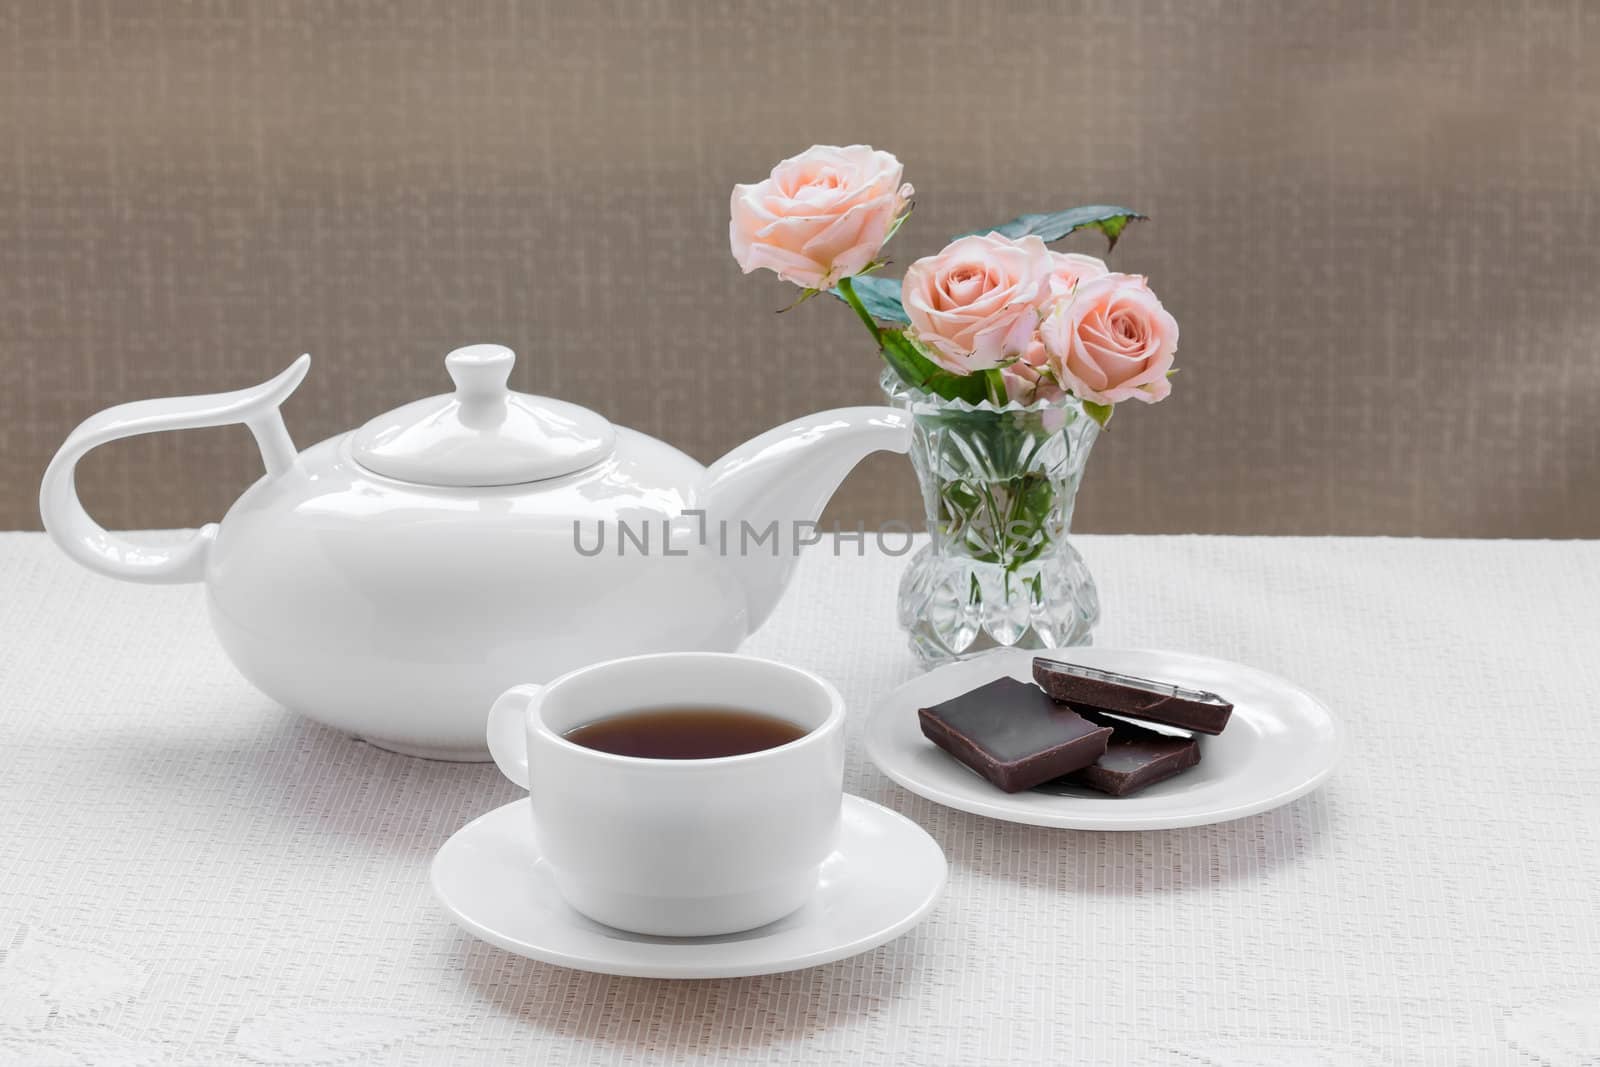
(393, 580)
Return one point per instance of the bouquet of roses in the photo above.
(996, 315)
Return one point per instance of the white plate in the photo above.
(1280, 743)
(885, 875)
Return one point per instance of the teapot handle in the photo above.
(80, 537)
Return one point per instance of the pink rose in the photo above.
(1030, 379)
(821, 216)
(1067, 269)
(1111, 340)
(975, 305)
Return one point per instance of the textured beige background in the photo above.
(1376, 222)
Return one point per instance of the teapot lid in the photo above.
(482, 434)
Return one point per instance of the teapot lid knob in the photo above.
(480, 371)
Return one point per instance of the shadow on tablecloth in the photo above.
(678, 1017)
(1124, 863)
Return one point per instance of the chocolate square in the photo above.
(1133, 698)
(1013, 734)
(1134, 758)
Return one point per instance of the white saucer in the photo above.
(886, 874)
(1280, 743)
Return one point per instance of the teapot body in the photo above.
(392, 581)
(398, 612)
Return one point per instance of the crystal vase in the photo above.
(998, 487)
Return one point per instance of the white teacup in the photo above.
(678, 848)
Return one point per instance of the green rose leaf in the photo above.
(880, 296)
(920, 372)
(994, 386)
(1054, 225)
(1100, 413)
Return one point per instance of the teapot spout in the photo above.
(764, 497)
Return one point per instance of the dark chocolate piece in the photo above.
(1135, 698)
(1135, 758)
(1012, 734)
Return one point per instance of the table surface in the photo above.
(189, 874)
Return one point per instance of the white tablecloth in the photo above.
(189, 874)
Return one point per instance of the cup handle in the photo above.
(508, 732)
